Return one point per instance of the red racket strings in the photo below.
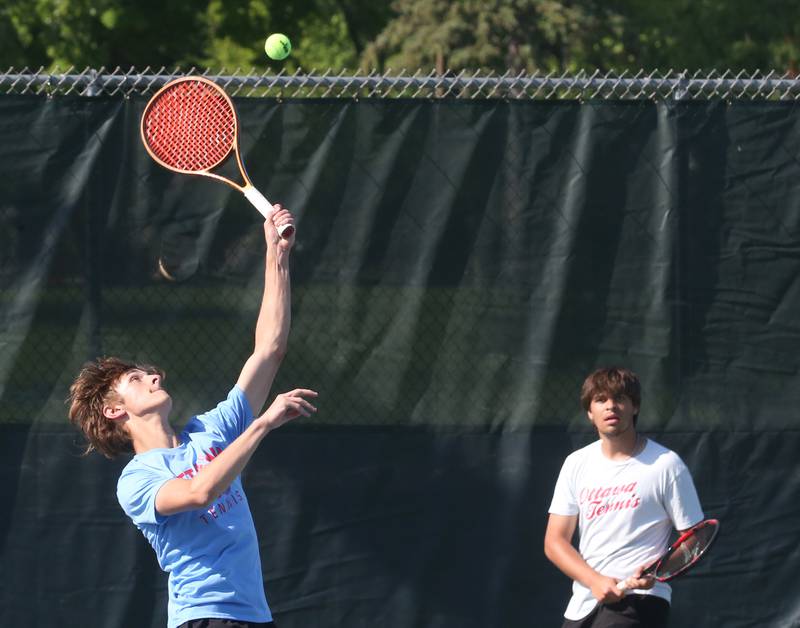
(190, 127)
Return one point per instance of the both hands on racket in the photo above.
(639, 580)
(608, 590)
(678, 559)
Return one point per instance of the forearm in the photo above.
(179, 494)
(274, 317)
(214, 478)
(564, 556)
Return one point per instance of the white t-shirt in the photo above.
(626, 512)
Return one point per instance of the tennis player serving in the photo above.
(624, 494)
(184, 491)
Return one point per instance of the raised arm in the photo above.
(274, 317)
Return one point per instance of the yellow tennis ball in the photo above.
(277, 46)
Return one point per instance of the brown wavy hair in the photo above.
(612, 381)
(93, 389)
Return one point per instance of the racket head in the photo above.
(190, 125)
(684, 553)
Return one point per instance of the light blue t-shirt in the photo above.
(211, 555)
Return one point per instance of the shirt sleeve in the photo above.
(564, 501)
(229, 419)
(136, 492)
(680, 499)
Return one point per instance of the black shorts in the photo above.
(633, 611)
(225, 623)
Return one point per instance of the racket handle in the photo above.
(266, 209)
(622, 585)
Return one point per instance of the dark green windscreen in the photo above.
(460, 267)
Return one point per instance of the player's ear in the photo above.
(113, 411)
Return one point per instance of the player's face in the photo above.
(142, 393)
(612, 415)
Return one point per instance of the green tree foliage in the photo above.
(19, 41)
(606, 35)
(496, 35)
(711, 34)
(324, 33)
(100, 32)
(213, 34)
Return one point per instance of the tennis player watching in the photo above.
(184, 491)
(624, 493)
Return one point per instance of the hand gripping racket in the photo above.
(683, 554)
(190, 126)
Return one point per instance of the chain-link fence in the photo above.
(470, 85)
(455, 257)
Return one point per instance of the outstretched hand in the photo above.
(278, 219)
(288, 406)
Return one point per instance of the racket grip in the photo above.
(622, 585)
(265, 208)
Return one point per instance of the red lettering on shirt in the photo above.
(602, 500)
(212, 453)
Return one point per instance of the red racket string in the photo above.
(191, 127)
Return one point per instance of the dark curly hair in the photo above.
(91, 390)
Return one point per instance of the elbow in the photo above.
(550, 548)
(279, 350)
(200, 497)
(275, 350)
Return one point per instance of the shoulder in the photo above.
(583, 456)
(135, 465)
(139, 483)
(142, 466)
(224, 422)
(234, 407)
(656, 452)
(155, 465)
(586, 452)
(137, 475)
(664, 461)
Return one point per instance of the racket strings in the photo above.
(191, 127)
(687, 552)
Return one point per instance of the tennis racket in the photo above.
(190, 126)
(683, 554)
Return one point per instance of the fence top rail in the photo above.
(670, 85)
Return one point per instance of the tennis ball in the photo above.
(277, 46)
